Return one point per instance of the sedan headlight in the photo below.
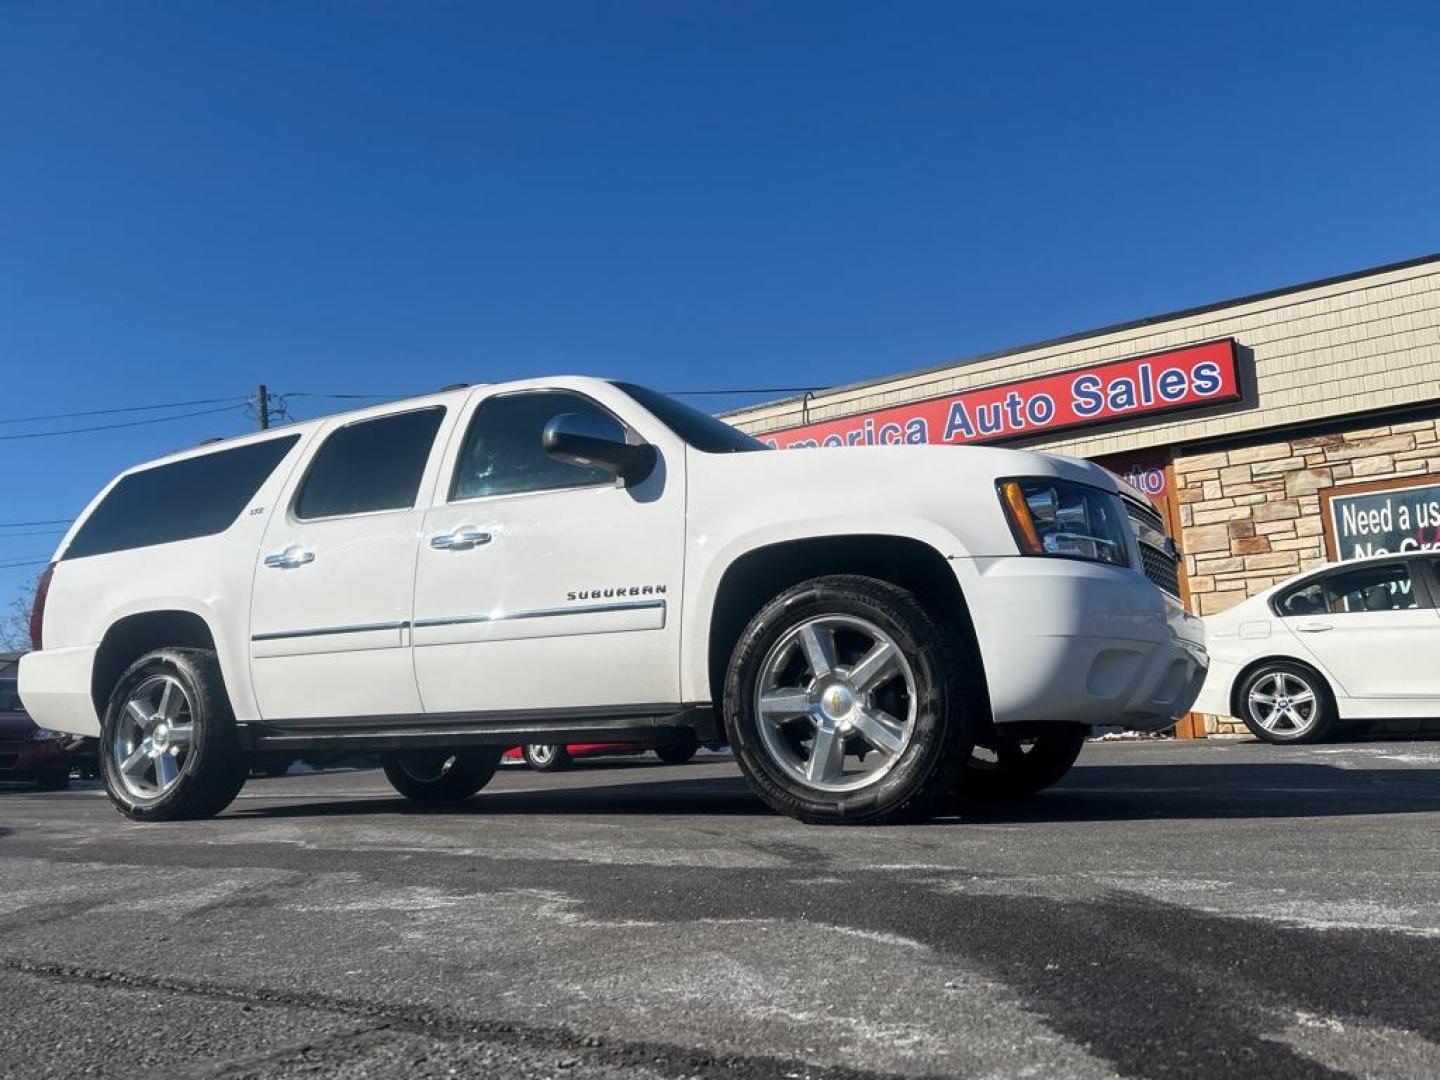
(1066, 519)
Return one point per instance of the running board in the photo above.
(695, 723)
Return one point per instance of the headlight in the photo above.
(1063, 518)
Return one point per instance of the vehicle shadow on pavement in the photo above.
(711, 796)
(1266, 789)
(1132, 792)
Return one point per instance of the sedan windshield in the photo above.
(700, 430)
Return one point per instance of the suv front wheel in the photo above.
(846, 703)
(168, 746)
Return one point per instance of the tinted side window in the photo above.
(1386, 587)
(370, 465)
(1309, 600)
(700, 430)
(199, 496)
(10, 696)
(503, 452)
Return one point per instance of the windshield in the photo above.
(700, 430)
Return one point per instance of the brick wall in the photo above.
(1251, 517)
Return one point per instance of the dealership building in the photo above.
(1274, 431)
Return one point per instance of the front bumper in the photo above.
(1076, 642)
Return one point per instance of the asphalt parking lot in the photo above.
(1170, 910)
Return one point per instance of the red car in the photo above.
(28, 754)
(548, 757)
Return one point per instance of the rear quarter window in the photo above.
(199, 496)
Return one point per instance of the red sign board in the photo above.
(1188, 378)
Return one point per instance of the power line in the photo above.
(27, 562)
(121, 409)
(124, 424)
(6, 535)
(672, 393)
(273, 404)
(22, 524)
(343, 397)
(756, 390)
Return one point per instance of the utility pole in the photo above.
(262, 406)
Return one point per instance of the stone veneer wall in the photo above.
(1251, 517)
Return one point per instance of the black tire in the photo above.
(547, 757)
(1317, 713)
(1012, 768)
(440, 776)
(676, 755)
(214, 769)
(927, 767)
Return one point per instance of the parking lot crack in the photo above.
(619, 1056)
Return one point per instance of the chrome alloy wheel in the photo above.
(835, 703)
(1283, 703)
(151, 747)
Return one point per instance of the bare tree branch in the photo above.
(15, 621)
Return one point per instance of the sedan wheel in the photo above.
(1285, 703)
(547, 757)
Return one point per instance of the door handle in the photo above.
(464, 538)
(291, 557)
(1313, 627)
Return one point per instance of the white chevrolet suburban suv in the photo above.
(873, 630)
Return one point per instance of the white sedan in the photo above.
(1357, 640)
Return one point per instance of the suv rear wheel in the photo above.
(168, 747)
(440, 776)
(846, 703)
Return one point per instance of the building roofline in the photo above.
(1113, 328)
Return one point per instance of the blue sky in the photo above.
(387, 197)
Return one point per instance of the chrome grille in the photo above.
(1146, 514)
(1161, 568)
(1159, 565)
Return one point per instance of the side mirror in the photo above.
(596, 441)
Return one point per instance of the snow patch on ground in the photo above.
(1359, 1049)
